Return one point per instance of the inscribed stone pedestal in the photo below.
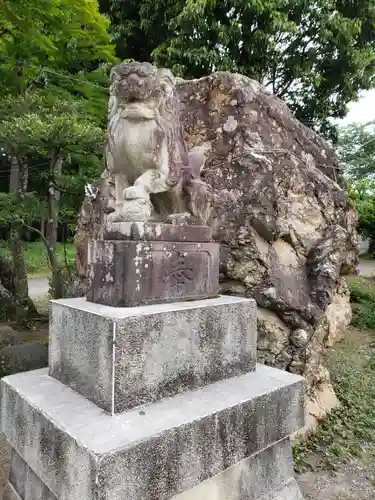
(132, 273)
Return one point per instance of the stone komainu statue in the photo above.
(146, 150)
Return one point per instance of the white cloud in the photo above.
(361, 111)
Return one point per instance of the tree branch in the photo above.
(51, 256)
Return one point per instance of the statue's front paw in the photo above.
(115, 217)
(179, 219)
(136, 193)
(139, 210)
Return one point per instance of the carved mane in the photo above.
(166, 116)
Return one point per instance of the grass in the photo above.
(366, 256)
(362, 295)
(36, 258)
(349, 431)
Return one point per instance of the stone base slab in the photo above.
(23, 483)
(265, 475)
(154, 452)
(123, 357)
(156, 231)
(133, 273)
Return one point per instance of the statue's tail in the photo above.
(199, 198)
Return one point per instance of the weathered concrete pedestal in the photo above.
(155, 402)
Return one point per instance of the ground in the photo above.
(351, 482)
(366, 267)
(337, 462)
(38, 287)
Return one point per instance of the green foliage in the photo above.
(138, 27)
(41, 122)
(50, 135)
(55, 58)
(356, 149)
(316, 55)
(12, 211)
(62, 35)
(362, 193)
(36, 259)
(42, 126)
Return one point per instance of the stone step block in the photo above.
(153, 452)
(123, 357)
(267, 475)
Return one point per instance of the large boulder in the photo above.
(290, 235)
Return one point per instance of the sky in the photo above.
(361, 111)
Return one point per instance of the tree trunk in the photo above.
(8, 295)
(43, 227)
(24, 306)
(20, 275)
(52, 225)
(14, 175)
(371, 247)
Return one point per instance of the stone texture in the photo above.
(260, 474)
(25, 483)
(122, 357)
(132, 273)
(288, 491)
(291, 232)
(156, 232)
(152, 452)
(290, 235)
(338, 314)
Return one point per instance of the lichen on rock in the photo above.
(289, 236)
(288, 232)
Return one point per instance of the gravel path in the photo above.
(366, 268)
(352, 481)
(38, 287)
